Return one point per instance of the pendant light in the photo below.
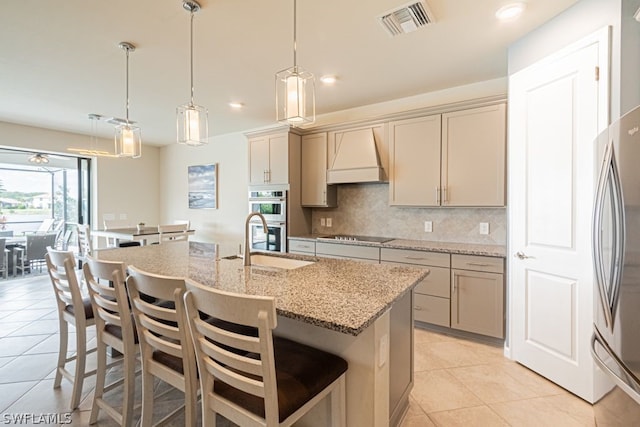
(192, 121)
(128, 140)
(295, 90)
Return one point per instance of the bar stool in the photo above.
(114, 328)
(72, 309)
(165, 344)
(247, 375)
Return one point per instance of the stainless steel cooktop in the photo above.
(355, 238)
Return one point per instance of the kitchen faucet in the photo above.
(247, 250)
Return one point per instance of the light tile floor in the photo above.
(457, 382)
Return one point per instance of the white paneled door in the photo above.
(556, 109)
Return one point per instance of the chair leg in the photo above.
(62, 352)
(81, 358)
(208, 416)
(129, 388)
(147, 399)
(101, 372)
(190, 404)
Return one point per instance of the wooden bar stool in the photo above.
(72, 309)
(114, 328)
(247, 375)
(165, 344)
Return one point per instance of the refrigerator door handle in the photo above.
(595, 236)
(629, 384)
(608, 287)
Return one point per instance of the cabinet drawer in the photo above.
(408, 256)
(477, 263)
(431, 309)
(305, 246)
(348, 251)
(437, 283)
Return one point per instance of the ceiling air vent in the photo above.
(407, 18)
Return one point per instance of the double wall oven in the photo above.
(272, 204)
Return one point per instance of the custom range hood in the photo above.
(355, 158)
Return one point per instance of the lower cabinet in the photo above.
(477, 294)
(431, 299)
(302, 246)
(340, 250)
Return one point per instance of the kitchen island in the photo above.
(355, 310)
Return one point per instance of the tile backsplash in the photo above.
(364, 209)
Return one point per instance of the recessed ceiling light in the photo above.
(328, 79)
(510, 11)
(236, 105)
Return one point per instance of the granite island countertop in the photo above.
(420, 245)
(341, 295)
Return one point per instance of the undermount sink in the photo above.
(278, 262)
(273, 261)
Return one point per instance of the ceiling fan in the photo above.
(33, 156)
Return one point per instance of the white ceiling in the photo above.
(60, 61)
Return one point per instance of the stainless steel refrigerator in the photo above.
(615, 344)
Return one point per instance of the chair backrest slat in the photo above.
(105, 281)
(161, 324)
(60, 266)
(233, 340)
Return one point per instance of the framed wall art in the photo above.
(203, 186)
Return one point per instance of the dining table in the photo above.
(361, 312)
(135, 234)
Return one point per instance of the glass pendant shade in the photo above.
(128, 141)
(295, 96)
(192, 125)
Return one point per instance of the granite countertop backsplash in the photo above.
(421, 245)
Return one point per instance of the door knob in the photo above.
(521, 255)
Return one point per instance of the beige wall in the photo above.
(121, 186)
(222, 225)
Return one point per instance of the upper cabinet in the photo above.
(414, 159)
(269, 158)
(473, 157)
(451, 159)
(313, 175)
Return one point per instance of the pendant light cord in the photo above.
(127, 85)
(191, 56)
(295, 41)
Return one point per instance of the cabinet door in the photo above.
(258, 160)
(278, 159)
(315, 191)
(477, 302)
(473, 157)
(414, 157)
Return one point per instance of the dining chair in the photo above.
(74, 310)
(85, 243)
(114, 328)
(110, 224)
(34, 251)
(172, 233)
(249, 376)
(166, 347)
(4, 253)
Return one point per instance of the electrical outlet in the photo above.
(329, 222)
(428, 226)
(323, 222)
(484, 228)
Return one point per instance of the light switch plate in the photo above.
(428, 226)
(484, 228)
(323, 222)
(329, 222)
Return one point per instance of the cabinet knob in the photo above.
(418, 308)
